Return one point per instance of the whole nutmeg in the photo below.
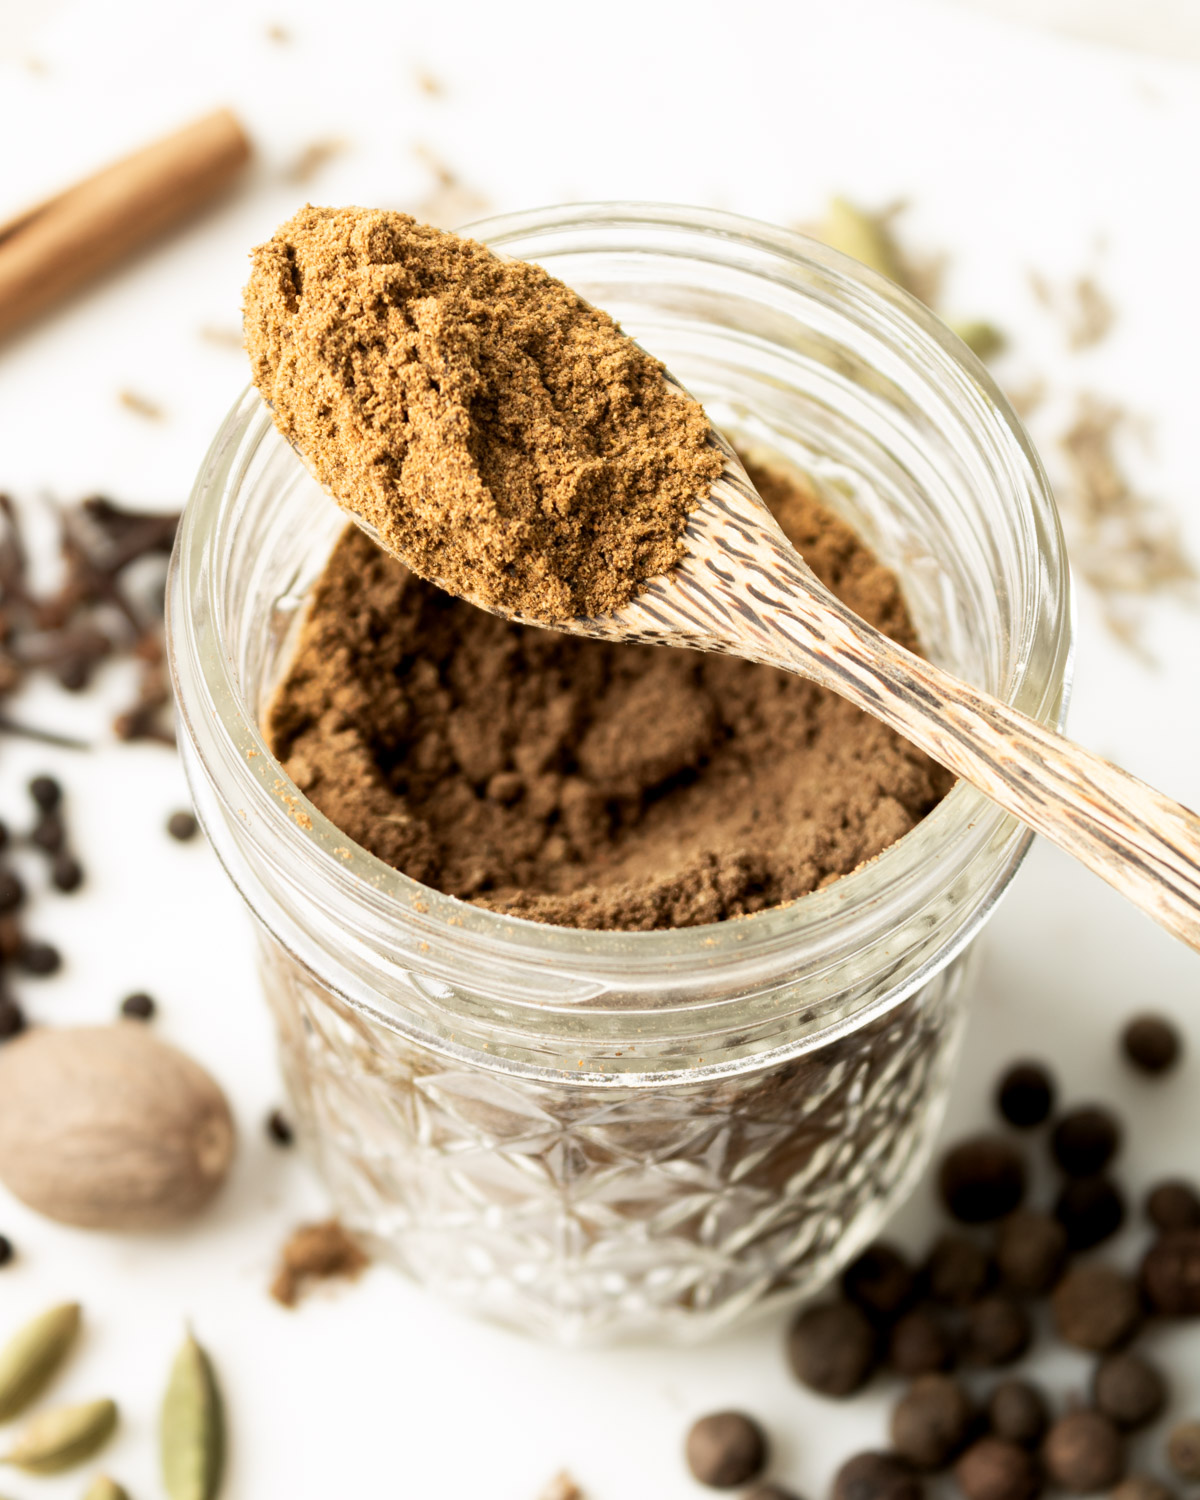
(1083, 1453)
(832, 1348)
(876, 1476)
(981, 1179)
(1128, 1389)
(992, 1469)
(996, 1332)
(931, 1422)
(1173, 1204)
(1171, 1274)
(1031, 1252)
(108, 1127)
(920, 1344)
(1017, 1412)
(1096, 1307)
(725, 1449)
(1183, 1450)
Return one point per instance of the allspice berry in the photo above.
(1171, 1274)
(1025, 1095)
(1085, 1140)
(997, 1331)
(1128, 1389)
(725, 1449)
(1096, 1307)
(931, 1422)
(1173, 1204)
(1183, 1451)
(832, 1348)
(957, 1271)
(992, 1469)
(1091, 1210)
(880, 1281)
(1152, 1044)
(981, 1179)
(920, 1344)
(1017, 1412)
(1031, 1252)
(1142, 1487)
(1083, 1453)
(876, 1476)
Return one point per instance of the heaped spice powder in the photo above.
(500, 434)
(587, 783)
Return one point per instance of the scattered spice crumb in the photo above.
(225, 338)
(316, 1252)
(562, 1487)
(277, 33)
(1025, 399)
(429, 84)
(314, 156)
(279, 1128)
(450, 204)
(141, 405)
(1084, 309)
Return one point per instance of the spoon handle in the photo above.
(1143, 843)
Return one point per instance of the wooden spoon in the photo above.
(742, 588)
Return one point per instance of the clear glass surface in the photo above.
(590, 1135)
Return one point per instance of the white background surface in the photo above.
(1019, 149)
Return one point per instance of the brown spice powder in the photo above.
(585, 783)
(316, 1252)
(498, 432)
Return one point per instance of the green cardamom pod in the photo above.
(982, 338)
(33, 1354)
(192, 1427)
(104, 1488)
(64, 1436)
(862, 236)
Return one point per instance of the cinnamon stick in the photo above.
(53, 249)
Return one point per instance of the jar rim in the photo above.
(959, 829)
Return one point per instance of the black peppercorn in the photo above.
(1183, 1451)
(182, 826)
(992, 1469)
(1031, 1252)
(279, 1128)
(12, 1018)
(879, 1281)
(38, 958)
(997, 1331)
(1096, 1307)
(1090, 1209)
(138, 1007)
(1083, 1453)
(66, 873)
(876, 1476)
(1017, 1412)
(46, 792)
(1128, 1389)
(1085, 1140)
(1173, 1204)
(956, 1271)
(6, 1250)
(920, 1344)
(1025, 1095)
(1170, 1274)
(981, 1179)
(931, 1422)
(832, 1348)
(725, 1449)
(1152, 1044)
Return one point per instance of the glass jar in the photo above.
(589, 1134)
